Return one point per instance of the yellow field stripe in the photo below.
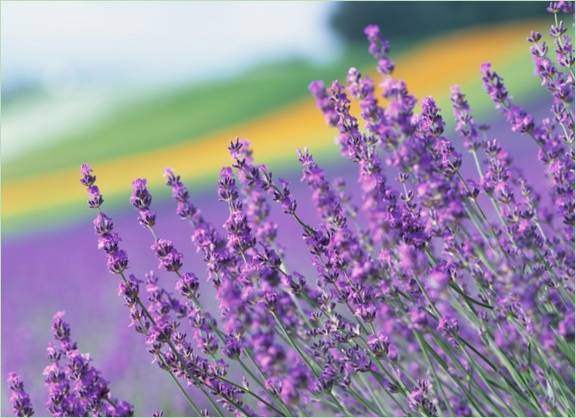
(428, 70)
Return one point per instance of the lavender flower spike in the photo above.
(379, 48)
(19, 398)
(86, 392)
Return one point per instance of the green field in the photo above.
(184, 113)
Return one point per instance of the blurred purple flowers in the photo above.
(439, 295)
(75, 387)
(19, 398)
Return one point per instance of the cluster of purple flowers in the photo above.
(19, 397)
(75, 387)
(438, 295)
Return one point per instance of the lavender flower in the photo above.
(465, 125)
(379, 49)
(75, 387)
(552, 152)
(88, 179)
(323, 101)
(19, 398)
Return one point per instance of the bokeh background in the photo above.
(134, 87)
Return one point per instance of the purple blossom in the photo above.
(253, 189)
(188, 285)
(95, 199)
(379, 345)
(323, 101)
(75, 387)
(109, 242)
(379, 48)
(552, 153)
(117, 261)
(141, 198)
(103, 225)
(170, 258)
(232, 347)
(561, 6)
(493, 84)
(419, 400)
(205, 237)
(88, 178)
(18, 397)
(362, 88)
(465, 124)
(431, 122)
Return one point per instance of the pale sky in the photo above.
(93, 56)
(155, 42)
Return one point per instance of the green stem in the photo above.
(212, 401)
(360, 400)
(287, 411)
(439, 387)
(181, 360)
(188, 399)
(456, 380)
(373, 395)
(340, 404)
(249, 392)
(315, 370)
(296, 347)
(177, 382)
(469, 298)
(480, 371)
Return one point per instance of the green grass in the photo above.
(183, 113)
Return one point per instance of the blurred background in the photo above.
(134, 87)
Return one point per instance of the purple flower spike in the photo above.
(129, 289)
(171, 261)
(117, 262)
(141, 198)
(147, 218)
(19, 398)
(419, 400)
(103, 224)
(95, 199)
(60, 329)
(88, 178)
(162, 247)
(379, 48)
(465, 124)
(362, 88)
(227, 186)
(493, 84)
(75, 387)
(283, 196)
(109, 242)
(431, 121)
(232, 347)
(323, 101)
(562, 6)
(534, 37)
(379, 345)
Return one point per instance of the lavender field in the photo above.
(438, 282)
(82, 287)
